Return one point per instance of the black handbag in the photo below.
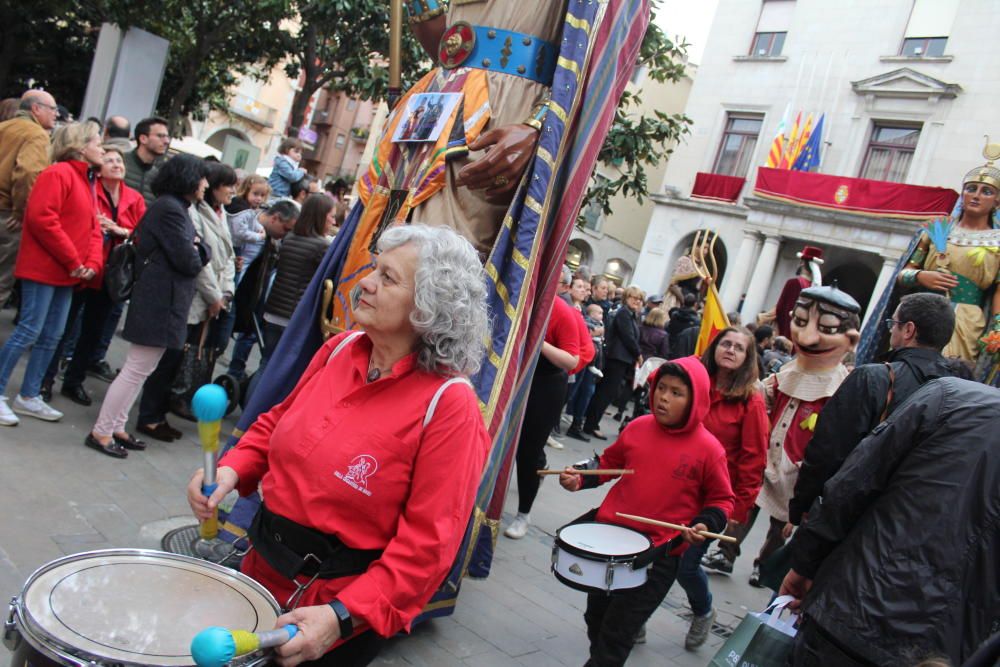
(120, 271)
(195, 370)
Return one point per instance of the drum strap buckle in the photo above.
(293, 601)
(11, 636)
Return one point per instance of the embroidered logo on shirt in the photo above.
(361, 468)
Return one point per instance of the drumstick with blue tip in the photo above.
(209, 406)
(217, 646)
(676, 526)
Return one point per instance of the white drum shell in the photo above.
(583, 566)
(138, 626)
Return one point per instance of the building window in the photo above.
(352, 104)
(767, 44)
(923, 47)
(341, 140)
(772, 27)
(738, 145)
(928, 28)
(890, 151)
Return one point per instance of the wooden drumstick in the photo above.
(606, 471)
(676, 526)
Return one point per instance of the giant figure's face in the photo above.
(823, 333)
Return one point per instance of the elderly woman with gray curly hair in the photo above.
(370, 467)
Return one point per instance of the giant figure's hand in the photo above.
(499, 171)
(937, 280)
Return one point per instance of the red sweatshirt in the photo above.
(742, 428)
(60, 230)
(131, 208)
(353, 459)
(679, 472)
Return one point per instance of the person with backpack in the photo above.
(918, 330)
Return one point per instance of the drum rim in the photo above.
(593, 589)
(595, 556)
(49, 646)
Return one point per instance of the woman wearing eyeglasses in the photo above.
(969, 268)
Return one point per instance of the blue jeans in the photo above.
(693, 579)
(110, 326)
(586, 383)
(44, 309)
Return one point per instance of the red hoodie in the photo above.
(679, 472)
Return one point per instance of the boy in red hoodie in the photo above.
(680, 477)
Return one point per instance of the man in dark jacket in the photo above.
(921, 326)
(898, 559)
(684, 317)
(151, 143)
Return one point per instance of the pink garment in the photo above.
(140, 362)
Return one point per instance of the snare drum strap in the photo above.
(650, 555)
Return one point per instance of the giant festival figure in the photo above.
(538, 93)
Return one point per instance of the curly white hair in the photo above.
(450, 312)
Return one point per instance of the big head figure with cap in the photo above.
(825, 325)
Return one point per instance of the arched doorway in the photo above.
(618, 271)
(218, 138)
(579, 253)
(683, 247)
(855, 278)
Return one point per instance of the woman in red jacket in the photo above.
(738, 418)
(119, 209)
(60, 248)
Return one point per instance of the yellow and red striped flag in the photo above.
(778, 145)
(786, 161)
(795, 149)
(713, 320)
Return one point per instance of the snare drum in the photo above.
(599, 557)
(129, 607)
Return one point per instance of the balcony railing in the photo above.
(253, 110)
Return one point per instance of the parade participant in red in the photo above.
(372, 462)
(559, 357)
(680, 477)
(737, 416)
(811, 257)
(825, 325)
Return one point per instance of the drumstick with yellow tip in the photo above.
(217, 646)
(676, 526)
(605, 471)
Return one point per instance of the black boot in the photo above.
(575, 430)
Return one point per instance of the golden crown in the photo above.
(987, 173)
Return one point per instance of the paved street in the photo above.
(61, 498)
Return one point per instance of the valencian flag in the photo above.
(809, 157)
(599, 48)
(713, 320)
(778, 145)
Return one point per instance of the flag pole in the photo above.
(395, 51)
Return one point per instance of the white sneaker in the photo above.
(519, 527)
(37, 408)
(7, 416)
(554, 444)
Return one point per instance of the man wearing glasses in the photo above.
(151, 142)
(919, 328)
(24, 153)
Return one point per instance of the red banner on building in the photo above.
(717, 187)
(857, 195)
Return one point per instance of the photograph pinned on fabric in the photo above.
(425, 116)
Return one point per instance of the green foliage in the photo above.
(344, 44)
(636, 141)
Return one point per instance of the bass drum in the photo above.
(130, 607)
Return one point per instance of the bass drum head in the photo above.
(136, 607)
(602, 540)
